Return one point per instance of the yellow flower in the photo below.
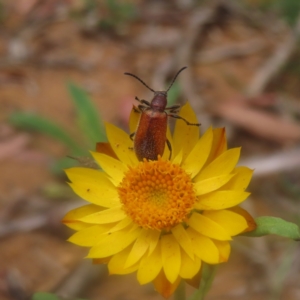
(161, 218)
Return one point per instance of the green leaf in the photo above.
(282, 271)
(59, 165)
(89, 120)
(180, 291)
(49, 296)
(173, 94)
(207, 277)
(44, 296)
(34, 122)
(272, 225)
(289, 9)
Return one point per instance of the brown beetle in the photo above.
(150, 136)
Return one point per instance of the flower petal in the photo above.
(139, 248)
(150, 266)
(112, 243)
(92, 192)
(116, 263)
(183, 240)
(204, 248)
(189, 267)
(78, 174)
(171, 257)
(128, 270)
(121, 144)
(220, 200)
(71, 219)
(219, 144)
(109, 215)
(106, 148)
(199, 154)
(121, 224)
(241, 179)
(211, 184)
(89, 237)
(178, 158)
(233, 223)
(104, 260)
(224, 250)
(208, 227)
(185, 136)
(223, 164)
(249, 219)
(195, 281)
(164, 286)
(153, 240)
(134, 119)
(114, 168)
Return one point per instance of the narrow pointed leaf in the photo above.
(208, 274)
(40, 124)
(89, 120)
(272, 225)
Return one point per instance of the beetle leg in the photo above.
(142, 107)
(145, 102)
(187, 122)
(173, 109)
(132, 135)
(169, 147)
(139, 109)
(136, 110)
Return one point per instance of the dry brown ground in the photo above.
(34, 255)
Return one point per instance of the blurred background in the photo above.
(61, 77)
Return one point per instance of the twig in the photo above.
(23, 225)
(184, 54)
(16, 285)
(273, 65)
(230, 51)
(32, 222)
(80, 279)
(57, 63)
(265, 165)
(262, 124)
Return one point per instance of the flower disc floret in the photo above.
(157, 194)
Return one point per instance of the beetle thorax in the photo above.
(159, 101)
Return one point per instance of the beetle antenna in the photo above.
(175, 77)
(140, 81)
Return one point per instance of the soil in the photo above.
(34, 253)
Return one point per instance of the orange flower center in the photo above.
(157, 194)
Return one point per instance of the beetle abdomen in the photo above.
(150, 136)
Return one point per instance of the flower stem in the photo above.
(208, 274)
(180, 291)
